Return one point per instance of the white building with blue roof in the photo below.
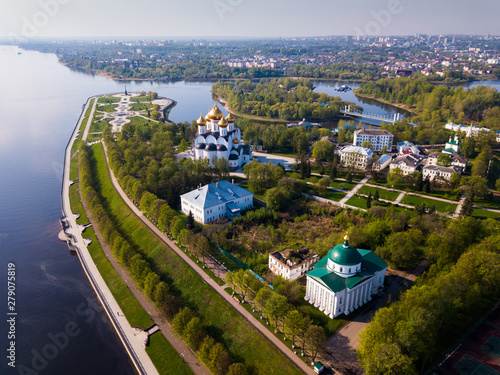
(216, 200)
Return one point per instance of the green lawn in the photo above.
(108, 99)
(360, 202)
(383, 194)
(488, 203)
(167, 361)
(333, 195)
(107, 107)
(484, 214)
(141, 106)
(136, 120)
(357, 201)
(241, 339)
(98, 126)
(343, 185)
(441, 206)
(134, 312)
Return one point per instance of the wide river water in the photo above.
(40, 102)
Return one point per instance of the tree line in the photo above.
(284, 98)
(163, 294)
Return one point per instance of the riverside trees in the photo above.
(285, 98)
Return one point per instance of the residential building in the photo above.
(377, 137)
(291, 264)
(407, 163)
(456, 159)
(345, 279)
(356, 157)
(219, 138)
(406, 147)
(441, 173)
(213, 201)
(382, 162)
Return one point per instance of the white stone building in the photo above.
(440, 172)
(456, 160)
(216, 200)
(406, 147)
(219, 138)
(377, 137)
(382, 162)
(407, 163)
(356, 157)
(345, 279)
(291, 264)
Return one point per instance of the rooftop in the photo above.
(294, 258)
(372, 132)
(214, 194)
(359, 150)
(370, 263)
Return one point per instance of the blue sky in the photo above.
(260, 18)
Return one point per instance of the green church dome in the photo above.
(345, 254)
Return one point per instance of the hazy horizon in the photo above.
(219, 19)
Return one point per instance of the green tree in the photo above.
(150, 284)
(444, 160)
(182, 319)
(468, 205)
(276, 307)
(237, 369)
(193, 333)
(316, 341)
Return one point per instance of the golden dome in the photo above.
(215, 113)
(236, 141)
(201, 121)
(223, 123)
(207, 117)
(230, 118)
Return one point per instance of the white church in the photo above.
(345, 279)
(219, 138)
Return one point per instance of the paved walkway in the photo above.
(341, 347)
(89, 121)
(400, 197)
(249, 317)
(355, 189)
(132, 342)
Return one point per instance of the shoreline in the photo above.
(141, 361)
(383, 101)
(223, 101)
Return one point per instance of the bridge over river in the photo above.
(347, 111)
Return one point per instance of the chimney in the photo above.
(217, 184)
(232, 181)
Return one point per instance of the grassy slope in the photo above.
(221, 320)
(165, 358)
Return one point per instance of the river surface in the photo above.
(40, 102)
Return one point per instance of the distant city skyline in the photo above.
(245, 18)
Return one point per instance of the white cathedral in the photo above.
(218, 138)
(345, 279)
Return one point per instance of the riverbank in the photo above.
(383, 101)
(223, 101)
(125, 332)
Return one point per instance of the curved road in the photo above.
(249, 317)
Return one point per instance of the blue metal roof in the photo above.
(214, 194)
